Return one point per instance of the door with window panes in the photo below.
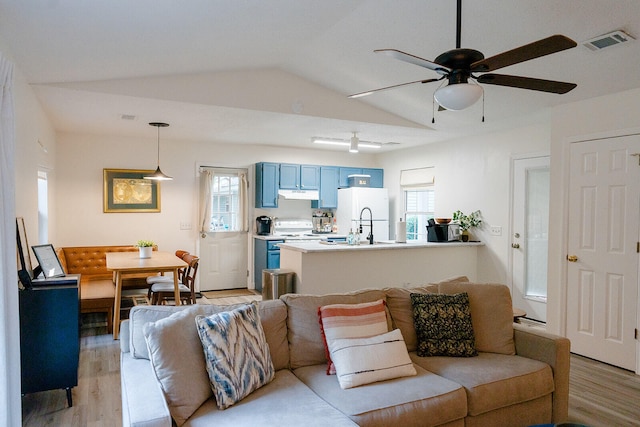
(223, 237)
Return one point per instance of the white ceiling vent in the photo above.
(606, 40)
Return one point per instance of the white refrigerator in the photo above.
(351, 202)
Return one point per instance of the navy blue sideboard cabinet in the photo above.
(50, 335)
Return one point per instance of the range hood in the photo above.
(299, 194)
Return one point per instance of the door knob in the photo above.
(572, 258)
(515, 245)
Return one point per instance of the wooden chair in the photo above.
(161, 278)
(162, 291)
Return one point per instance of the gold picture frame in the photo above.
(126, 190)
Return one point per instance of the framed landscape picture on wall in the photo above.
(126, 190)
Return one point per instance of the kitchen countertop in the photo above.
(315, 236)
(319, 246)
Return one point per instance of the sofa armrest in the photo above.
(124, 336)
(554, 351)
(143, 404)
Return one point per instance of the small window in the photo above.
(225, 203)
(419, 207)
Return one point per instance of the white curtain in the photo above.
(243, 194)
(206, 186)
(206, 191)
(10, 403)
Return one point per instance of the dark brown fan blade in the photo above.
(415, 60)
(526, 83)
(529, 51)
(369, 92)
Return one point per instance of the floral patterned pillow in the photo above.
(443, 325)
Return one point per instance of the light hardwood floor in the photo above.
(599, 396)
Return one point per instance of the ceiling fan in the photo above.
(458, 66)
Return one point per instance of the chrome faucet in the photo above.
(370, 236)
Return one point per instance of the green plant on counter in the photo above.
(144, 243)
(467, 221)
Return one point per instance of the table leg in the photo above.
(116, 305)
(176, 289)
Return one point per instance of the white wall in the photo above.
(609, 115)
(470, 174)
(31, 124)
(81, 159)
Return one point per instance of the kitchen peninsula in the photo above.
(328, 268)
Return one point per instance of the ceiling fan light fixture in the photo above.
(158, 175)
(458, 96)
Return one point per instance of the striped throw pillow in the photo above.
(360, 361)
(236, 353)
(351, 321)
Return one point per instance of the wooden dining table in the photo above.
(123, 263)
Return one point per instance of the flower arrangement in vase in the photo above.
(145, 248)
(466, 222)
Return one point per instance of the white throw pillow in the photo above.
(360, 361)
(236, 353)
(351, 321)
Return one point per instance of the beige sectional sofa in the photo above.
(520, 376)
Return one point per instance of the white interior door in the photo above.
(529, 239)
(224, 243)
(602, 256)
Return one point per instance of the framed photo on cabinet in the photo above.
(126, 190)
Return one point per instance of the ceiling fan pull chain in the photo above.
(433, 110)
(482, 106)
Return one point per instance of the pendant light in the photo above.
(158, 175)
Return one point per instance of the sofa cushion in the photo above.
(361, 361)
(443, 325)
(425, 399)
(305, 340)
(493, 380)
(273, 316)
(236, 352)
(178, 361)
(139, 316)
(284, 402)
(351, 321)
(401, 311)
(98, 289)
(491, 314)
(455, 279)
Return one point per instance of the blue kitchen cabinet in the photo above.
(329, 180)
(289, 176)
(309, 177)
(299, 177)
(266, 255)
(377, 176)
(267, 185)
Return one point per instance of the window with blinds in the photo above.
(419, 200)
(418, 209)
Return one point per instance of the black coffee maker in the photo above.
(263, 225)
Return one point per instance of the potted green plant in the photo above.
(466, 222)
(145, 247)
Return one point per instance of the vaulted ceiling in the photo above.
(278, 72)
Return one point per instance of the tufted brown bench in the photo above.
(97, 291)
